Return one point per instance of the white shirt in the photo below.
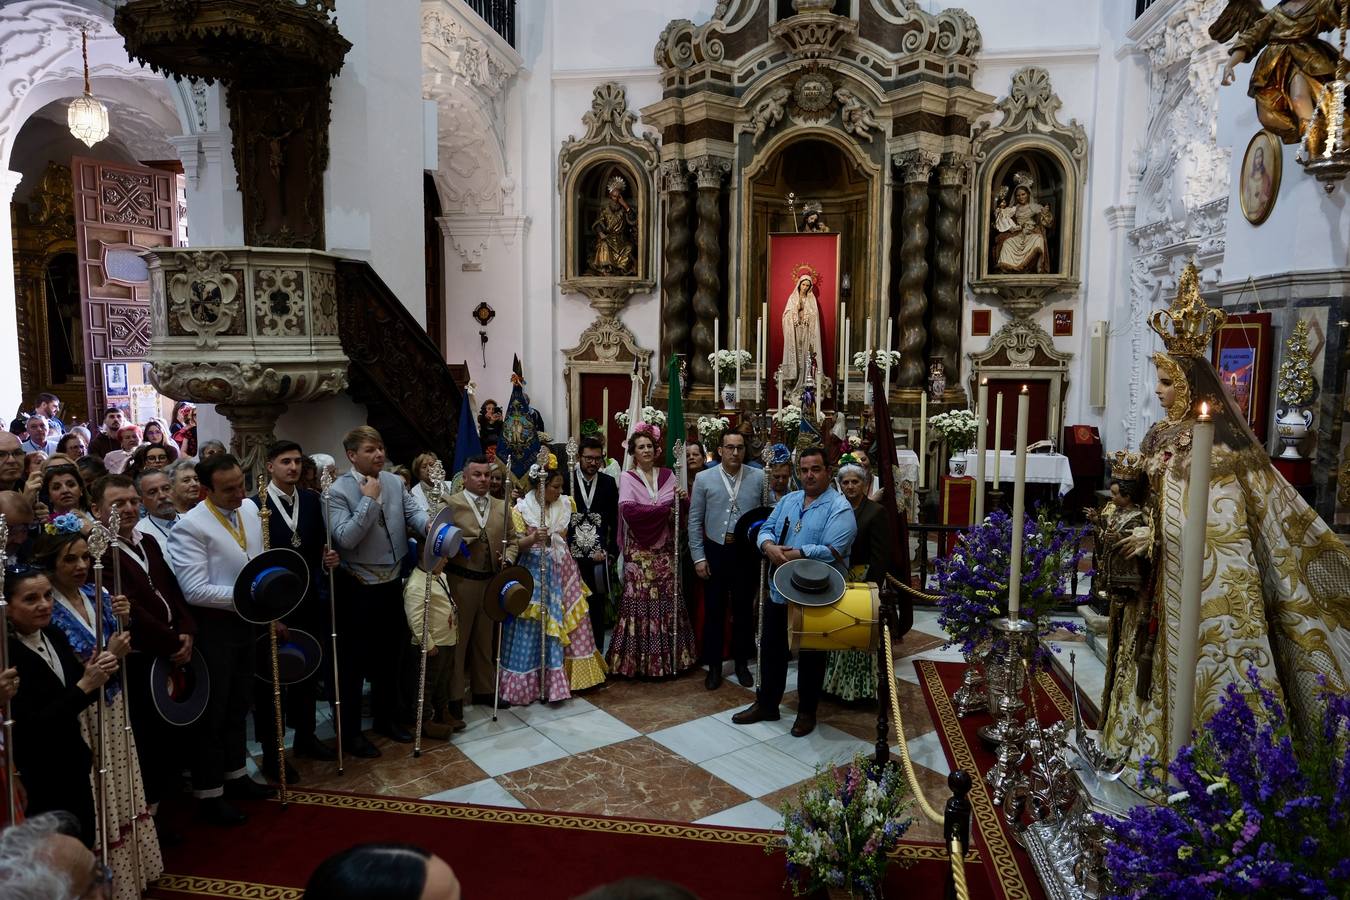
(158, 529)
(206, 558)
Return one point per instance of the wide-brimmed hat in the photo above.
(298, 657)
(747, 526)
(180, 693)
(508, 593)
(271, 585)
(443, 540)
(809, 582)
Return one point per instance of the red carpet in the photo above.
(500, 852)
(1010, 873)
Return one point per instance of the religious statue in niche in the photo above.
(801, 331)
(1021, 228)
(812, 223)
(615, 249)
(1293, 65)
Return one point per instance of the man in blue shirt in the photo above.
(816, 522)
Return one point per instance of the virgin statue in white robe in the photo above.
(1020, 246)
(801, 338)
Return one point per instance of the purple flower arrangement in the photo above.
(973, 580)
(845, 830)
(1255, 810)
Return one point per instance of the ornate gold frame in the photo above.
(1275, 169)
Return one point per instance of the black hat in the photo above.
(298, 657)
(271, 585)
(508, 593)
(809, 582)
(443, 539)
(747, 526)
(180, 693)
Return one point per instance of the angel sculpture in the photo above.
(1293, 65)
(769, 112)
(856, 117)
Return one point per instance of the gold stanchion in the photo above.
(98, 546)
(766, 456)
(542, 463)
(115, 530)
(265, 513)
(435, 472)
(681, 483)
(506, 528)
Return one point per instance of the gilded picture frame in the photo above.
(1259, 182)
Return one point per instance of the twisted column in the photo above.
(675, 305)
(944, 325)
(708, 172)
(915, 167)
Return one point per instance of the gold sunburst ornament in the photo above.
(1188, 326)
(87, 117)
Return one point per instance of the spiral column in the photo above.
(944, 323)
(915, 168)
(674, 287)
(708, 174)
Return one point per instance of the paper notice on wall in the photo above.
(144, 402)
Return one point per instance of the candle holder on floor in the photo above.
(1015, 643)
(972, 696)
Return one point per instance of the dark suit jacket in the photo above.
(313, 536)
(48, 745)
(154, 629)
(607, 505)
(871, 547)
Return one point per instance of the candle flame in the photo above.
(984, 382)
(1026, 389)
(1204, 410)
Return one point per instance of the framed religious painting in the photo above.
(1260, 180)
(980, 323)
(1242, 355)
(1062, 325)
(804, 304)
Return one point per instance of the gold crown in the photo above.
(1187, 327)
(1126, 464)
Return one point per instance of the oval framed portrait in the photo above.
(1260, 181)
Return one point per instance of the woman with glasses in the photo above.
(148, 457)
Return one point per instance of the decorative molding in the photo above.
(204, 299)
(468, 53)
(709, 171)
(813, 34)
(606, 347)
(916, 165)
(1022, 349)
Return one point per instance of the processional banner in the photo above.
(803, 306)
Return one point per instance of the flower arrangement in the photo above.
(845, 829)
(710, 428)
(650, 414)
(788, 417)
(1297, 386)
(725, 361)
(973, 580)
(957, 427)
(67, 523)
(860, 359)
(1258, 810)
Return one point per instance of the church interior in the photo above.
(696, 449)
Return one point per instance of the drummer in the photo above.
(816, 522)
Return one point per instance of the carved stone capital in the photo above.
(674, 175)
(954, 170)
(916, 165)
(709, 171)
(1025, 295)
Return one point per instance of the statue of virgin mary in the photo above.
(801, 335)
(1276, 580)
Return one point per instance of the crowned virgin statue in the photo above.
(1020, 245)
(801, 335)
(1276, 581)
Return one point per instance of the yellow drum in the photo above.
(850, 623)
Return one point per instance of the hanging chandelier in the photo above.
(87, 117)
(1325, 153)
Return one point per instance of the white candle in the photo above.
(1019, 510)
(759, 359)
(886, 349)
(847, 365)
(604, 421)
(868, 336)
(839, 343)
(998, 437)
(779, 375)
(923, 434)
(1192, 572)
(1054, 420)
(740, 339)
(717, 372)
(764, 345)
(981, 438)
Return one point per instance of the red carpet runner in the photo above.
(501, 852)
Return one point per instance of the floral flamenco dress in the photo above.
(123, 789)
(570, 659)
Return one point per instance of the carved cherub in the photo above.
(769, 112)
(856, 117)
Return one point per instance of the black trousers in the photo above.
(297, 710)
(226, 643)
(159, 745)
(372, 636)
(773, 650)
(733, 581)
(599, 599)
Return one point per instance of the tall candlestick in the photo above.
(604, 421)
(886, 349)
(717, 370)
(867, 336)
(981, 438)
(1019, 510)
(740, 339)
(998, 437)
(839, 344)
(759, 359)
(764, 347)
(923, 434)
(779, 376)
(847, 361)
(1054, 421)
(1192, 572)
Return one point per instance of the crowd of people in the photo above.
(606, 591)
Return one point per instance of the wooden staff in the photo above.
(115, 529)
(677, 451)
(543, 606)
(11, 788)
(766, 456)
(265, 513)
(506, 526)
(326, 483)
(435, 472)
(98, 546)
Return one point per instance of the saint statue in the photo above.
(1020, 246)
(812, 223)
(801, 333)
(1274, 592)
(615, 248)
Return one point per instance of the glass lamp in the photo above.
(87, 117)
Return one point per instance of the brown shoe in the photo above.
(805, 724)
(754, 714)
(439, 731)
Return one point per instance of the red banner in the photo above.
(790, 256)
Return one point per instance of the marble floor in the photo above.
(654, 750)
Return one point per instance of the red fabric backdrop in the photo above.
(593, 399)
(1038, 412)
(786, 252)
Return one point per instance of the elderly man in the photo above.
(11, 463)
(40, 438)
(106, 441)
(156, 493)
(42, 859)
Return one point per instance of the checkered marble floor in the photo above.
(656, 750)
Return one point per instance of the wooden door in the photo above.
(120, 209)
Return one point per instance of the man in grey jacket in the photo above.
(372, 516)
(720, 497)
